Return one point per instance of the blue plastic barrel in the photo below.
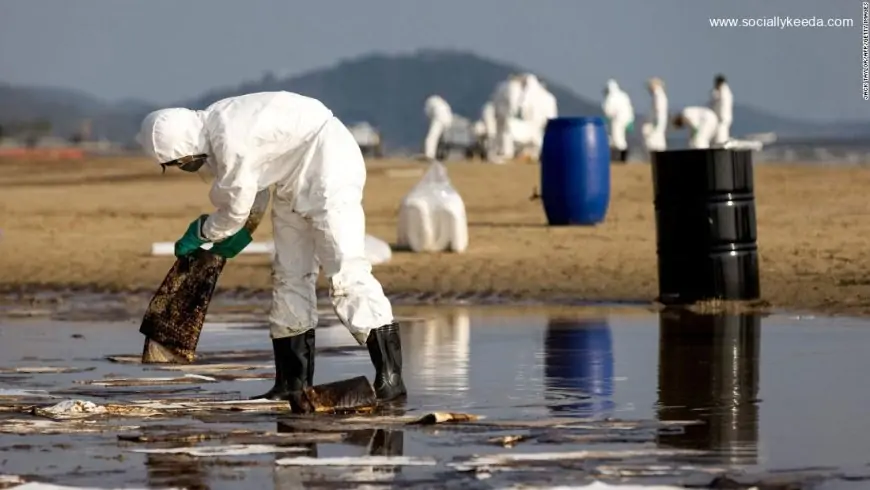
(575, 171)
(578, 362)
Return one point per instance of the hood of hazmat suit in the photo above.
(292, 147)
(170, 134)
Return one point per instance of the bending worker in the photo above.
(506, 104)
(654, 132)
(440, 118)
(701, 122)
(620, 115)
(722, 103)
(537, 106)
(294, 144)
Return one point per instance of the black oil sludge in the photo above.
(705, 225)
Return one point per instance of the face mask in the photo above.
(189, 164)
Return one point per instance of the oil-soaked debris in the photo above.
(444, 417)
(143, 392)
(627, 470)
(70, 409)
(211, 368)
(188, 407)
(44, 370)
(544, 457)
(9, 481)
(122, 382)
(358, 461)
(227, 450)
(46, 427)
(508, 441)
(236, 436)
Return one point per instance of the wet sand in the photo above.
(91, 224)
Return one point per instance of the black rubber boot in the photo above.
(385, 349)
(294, 367)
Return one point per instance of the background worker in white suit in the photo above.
(620, 115)
(440, 118)
(506, 101)
(537, 106)
(701, 123)
(722, 103)
(655, 131)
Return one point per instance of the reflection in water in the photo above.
(175, 470)
(708, 371)
(436, 353)
(578, 361)
(291, 476)
(378, 442)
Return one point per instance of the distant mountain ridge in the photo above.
(386, 90)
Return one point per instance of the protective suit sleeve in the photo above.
(233, 194)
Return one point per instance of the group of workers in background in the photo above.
(708, 126)
(513, 121)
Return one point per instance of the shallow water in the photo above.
(778, 397)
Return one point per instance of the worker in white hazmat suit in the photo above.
(655, 132)
(722, 103)
(620, 116)
(702, 124)
(537, 107)
(440, 118)
(294, 145)
(506, 102)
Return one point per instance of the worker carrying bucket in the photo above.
(295, 145)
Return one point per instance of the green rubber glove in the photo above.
(232, 246)
(192, 238)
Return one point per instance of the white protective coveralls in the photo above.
(440, 118)
(295, 145)
(506, 102)
(619, 112)
(655, 138)
(722, 103)
(702, 124)
(537, 107)
(487, 117)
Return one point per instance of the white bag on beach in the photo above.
(432, 215)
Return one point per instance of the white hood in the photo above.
(169, 134)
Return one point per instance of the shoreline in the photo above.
(88, 226)
(250, 299)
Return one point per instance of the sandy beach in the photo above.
(90, 224)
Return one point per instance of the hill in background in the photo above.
(387, 91)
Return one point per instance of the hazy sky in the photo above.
(166, 50)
